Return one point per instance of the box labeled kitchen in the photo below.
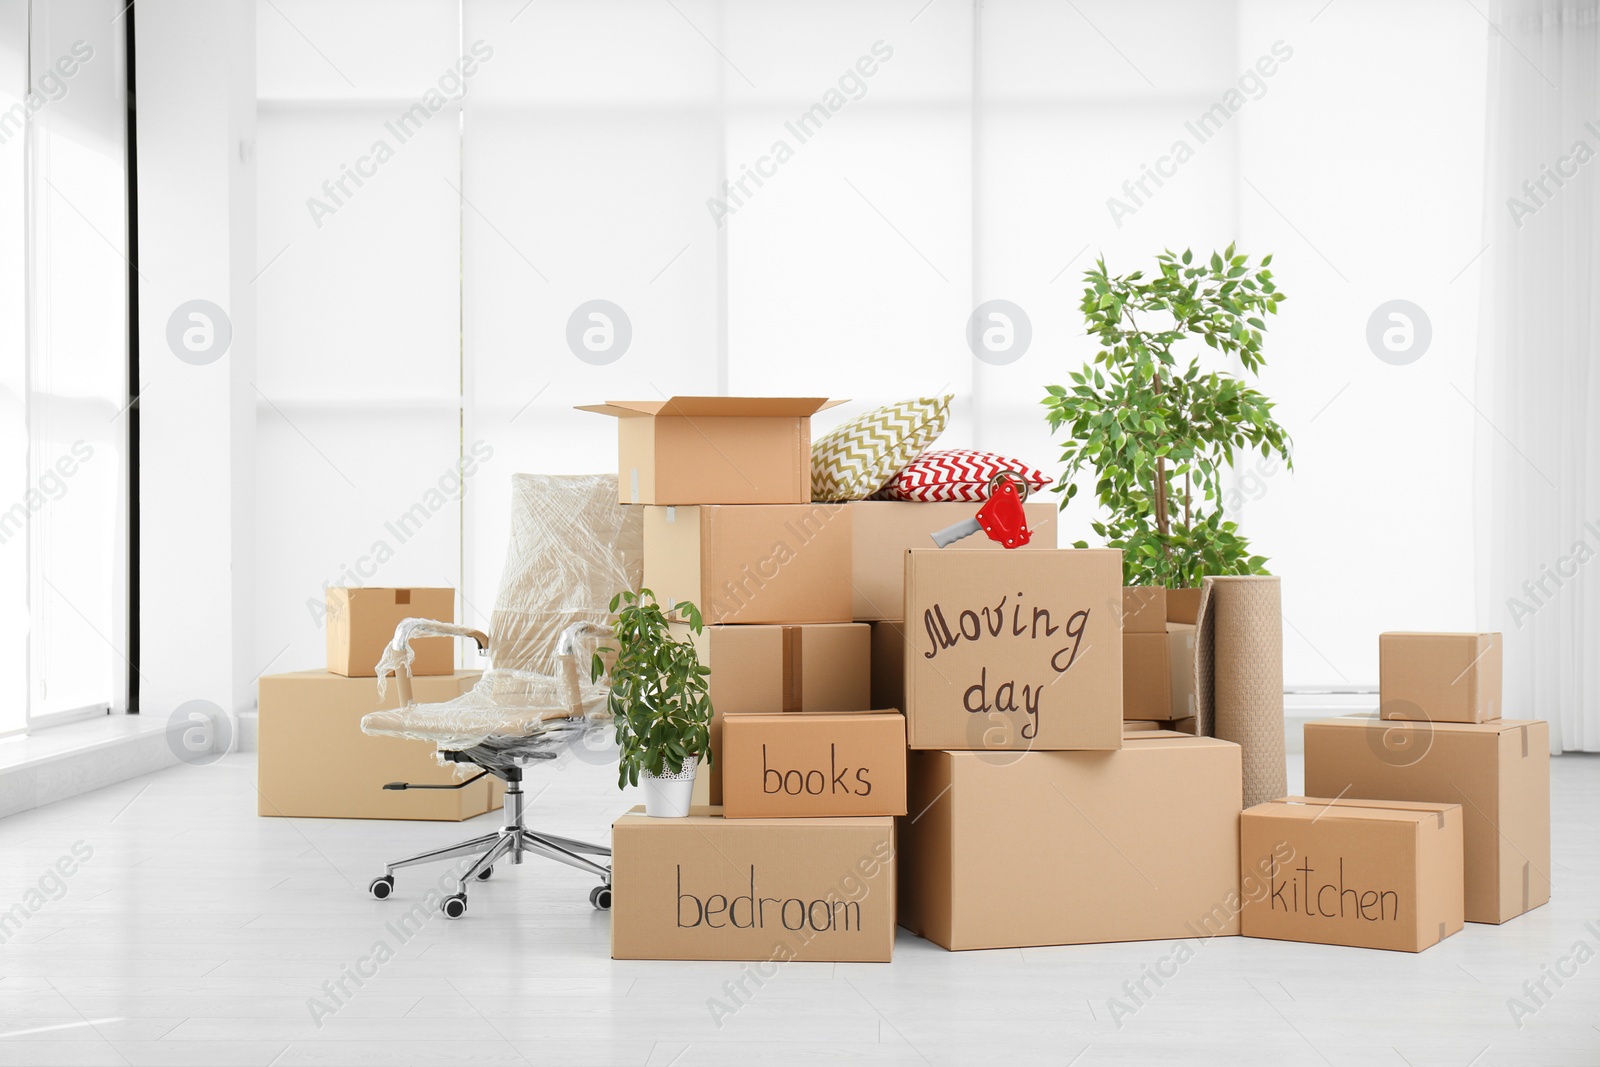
(362, 620)
(1014, 650)
(714, 449)
(313, 761)
(882, 530)
(786, 766)
(1363, 873)
(1011, 849)
(757, 563)
(709, 888)
(1442, 677)
(1498, 771)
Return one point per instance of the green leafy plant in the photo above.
(659, 700)
(1158, 433)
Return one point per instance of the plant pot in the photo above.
(667, 796)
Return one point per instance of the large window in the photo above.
(63, 360)
(474, 215)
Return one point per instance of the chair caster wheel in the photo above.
(382, 887)
(483, 875)
(600, 897)
(454, 906)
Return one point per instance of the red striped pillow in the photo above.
(955, 474)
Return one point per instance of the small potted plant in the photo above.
(660, 702)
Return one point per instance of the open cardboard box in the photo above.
(714, 449)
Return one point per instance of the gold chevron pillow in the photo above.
(860, 457)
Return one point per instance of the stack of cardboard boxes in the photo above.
(1037, 817)
(1055, 791)
(315, 762)
(1439, 809)
(1158, 633)
(793, 858)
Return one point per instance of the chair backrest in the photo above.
(573, 548)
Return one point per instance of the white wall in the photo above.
(196, 137)
(413, 323)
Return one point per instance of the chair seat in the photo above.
(504, 705)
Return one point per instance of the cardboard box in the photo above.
(1014, 650)
(1183, 726)
(789, 766)
(709, 888)
(757, 563)
(1499, 772)
(1183, 605)
(889, 664)
(1134, 726)
(1444, 677)
(1363, 873)
(1005, 850)
(361, 621)
(774, 668)
(1181, 668)
(314, 761)
(1158, 673)
(714, 449)
(882, 530)
(1146, 676)
(765, 669)
(1144, 609)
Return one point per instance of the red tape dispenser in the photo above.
(1001, 516)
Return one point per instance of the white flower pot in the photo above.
(668, 796)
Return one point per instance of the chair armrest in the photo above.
(567, 661)
(397, 655)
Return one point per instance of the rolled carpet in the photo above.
(1239, 676)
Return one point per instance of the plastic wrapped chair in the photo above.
(572, 548)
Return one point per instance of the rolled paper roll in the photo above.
(1239, 676)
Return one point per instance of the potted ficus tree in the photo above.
(660, 702)
(1157, 430)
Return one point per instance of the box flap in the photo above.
(1311, 809)
(712, 406)
(1365, 720)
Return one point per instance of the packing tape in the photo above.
(1523, 730)
(1527, 872)
(633, 485)
(793, 664)
(1441, 932)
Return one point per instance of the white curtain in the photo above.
(1538, 453)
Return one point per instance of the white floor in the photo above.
(198, 933)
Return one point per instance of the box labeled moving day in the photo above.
(313, 761)
(362, 620)
(1499, 772)
(1362, 873)
(709, 888)
(882, 530)
(713, 449)
(813, 765)
(1445, 677)
(1010, 849)
(751, 563)
(1014, 650)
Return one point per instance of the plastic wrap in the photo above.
(573, 547)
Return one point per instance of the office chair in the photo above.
(572, 548)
